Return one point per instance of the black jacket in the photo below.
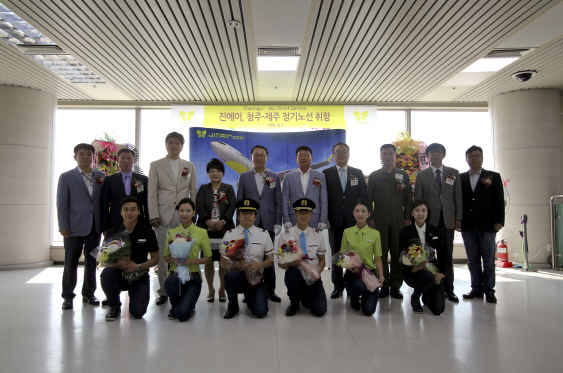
(483, 207)
(204, 206)
(432, 237)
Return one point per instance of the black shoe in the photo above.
(243, 299)
(490, 297)
(336, 294)
(396, 293)
(67, 304)
(473, 294)
(383, 292)
(229, 314)
(113, 313)
(451, 296)
(291, 310)
(91, 300)
(161, 300)
(416, 307)
(105, 302)
(273, 297)
(355, 303)
(172, 314)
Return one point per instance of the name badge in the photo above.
(272, 185)
(435, 237)
(354, 182)
(450, 181)
(399, 177)
(142, 240)
(140, 188)
(369, 240)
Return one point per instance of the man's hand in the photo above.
(155, 222)
(458, 225)
(438, 277)
(287, 225)
(211, 225)
(219, 225)
(240, 265)
(277, 229)
(419, 267)
(122, 263)
(371, 224)
(65, 233)
(407, 223)
(132, 267)
(497, 227)
(253, 266)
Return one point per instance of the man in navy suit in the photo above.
(78, 208)
(483, 217)
(263, 185)
(345, 185)
(120, 185)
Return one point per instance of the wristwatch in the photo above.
(139, 267)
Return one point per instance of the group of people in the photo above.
(376, 219)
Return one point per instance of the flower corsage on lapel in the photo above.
(399, 183)
(185, 173)
(353, 179)
(486, 181)
(100, 179)
(138, 185)
(269, 181)
(317, 182)
(222, 197)
(450, 179)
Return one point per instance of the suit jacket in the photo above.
(204, 206)
(166, 190)
(292, 191)
(76, 209)
(432, 238)
(483, 207)
(112, 194)
(269, 198)
(341, 203)
(448, 199)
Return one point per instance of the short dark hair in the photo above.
(363, 202)
(304, 147)
(125, 150)
(420, 202)
(435, 146)
(128, 199)
(183, 201)
(385, 146)
(215, 163)
(175, 135)
(259, 147)
(472, 149)
(338, 144)
(84, 146)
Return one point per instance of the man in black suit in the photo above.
(117, 186)
(483, 217)
(345, 185)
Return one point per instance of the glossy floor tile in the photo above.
(522, 333)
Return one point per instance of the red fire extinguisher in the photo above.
(502, 250)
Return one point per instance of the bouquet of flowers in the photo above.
(180, 247)
(289, 252)
(105, 159)
(352, 260)
(415, 255)
(233, 252)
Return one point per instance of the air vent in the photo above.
(44, 49)
(281, 52)
(500, 53)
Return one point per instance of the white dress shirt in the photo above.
(421, 233)
(473, 179)
(441, 171)
(88, 180)
(175, 165)
(259, 180)
(305, 180)
(315, 242)
(259, 242)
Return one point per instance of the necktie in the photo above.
(245, 239)
(439, 179)
(342, 177)
(303, 243)
(127, 185)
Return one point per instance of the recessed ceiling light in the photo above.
(233, 23)
(489, 65)
(271, 63)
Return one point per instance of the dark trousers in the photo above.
(270, 272)
(423, 283)
(390, 245)
(448, 240)
(183, 297)
(139, 292)
(256, 299)
(310, 296)
(335, 240)
(479, 244)
(73, 250)
(355, 287)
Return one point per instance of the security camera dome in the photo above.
(524, 76)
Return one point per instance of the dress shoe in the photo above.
(291, 310)
(416, 307)
(335, 294)
(396, 293)
(67, 304)
(383, 292)
(229, 314)
(161, 300)
(113, 313)
(490, 297)
(451, 296)
(105, 302)
(172, 314)
(273, 297)
(355, 303)
(91, 300)
(473, 294)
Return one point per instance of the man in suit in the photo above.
(78, 209)
(440, 186)
(483, 217)
(301, 183)
(118, 186)
(345, 185)
(390, 196)
(263, 185)
(171, 179)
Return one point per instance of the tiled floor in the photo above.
(522, 333)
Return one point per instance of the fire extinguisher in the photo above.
(502, 251)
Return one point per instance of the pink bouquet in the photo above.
(233, 252)
(353, 260)
(290, 252)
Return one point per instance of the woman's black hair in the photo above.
(189, 202)
(420, 202)
(363, 202)
(216, 164)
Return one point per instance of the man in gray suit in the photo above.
(263, 185)
(301, 183)
(440, 186)
(78, 209)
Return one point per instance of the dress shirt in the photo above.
(123, 176)
(88, 180)
(305, 180)
(259, 244)
(345, 170)
(175, 165)
(366, 241)
(315, 242)
(473, 179)
(259, 180)
(201, 243)
(421, 233)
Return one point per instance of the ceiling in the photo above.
(351, 51)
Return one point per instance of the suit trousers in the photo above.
(390, 244)
(448, 240)
(256, 299)
(161, 233)
(355, 287)
(423, 284)
(183, 297)
(337, 273)
(113, 284)
(74, 246)
(479, 244)
(310, 296)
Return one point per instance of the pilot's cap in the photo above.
(247, 204)
(303, 204)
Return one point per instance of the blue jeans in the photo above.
(256, 299)
(355, 287)
(139, 292)
(311, 296)
(183, 297)
(480, 245)
(423, 283)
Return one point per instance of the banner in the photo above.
(273, 117)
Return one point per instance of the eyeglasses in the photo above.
(341, 152)
(259, 155)
(436, 152)
(474, 156)
(303, 155)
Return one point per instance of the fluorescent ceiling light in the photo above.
(271, 63)
(489, 64)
